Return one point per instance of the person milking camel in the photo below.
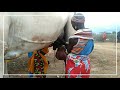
(81, 44)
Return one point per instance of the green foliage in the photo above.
(111, 37)
(118, 36)
(97, 37)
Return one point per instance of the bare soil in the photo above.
(104, 63)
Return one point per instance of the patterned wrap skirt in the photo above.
(77, 66)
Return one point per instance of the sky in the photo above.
(101, 20)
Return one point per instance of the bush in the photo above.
(118, 36)
(110, 36)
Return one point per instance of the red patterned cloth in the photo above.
(78, 61)
(77, 66)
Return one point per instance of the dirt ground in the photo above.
(103, 63)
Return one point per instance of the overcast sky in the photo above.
(101, 19)
(98, 19)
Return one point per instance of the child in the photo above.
(38, 63)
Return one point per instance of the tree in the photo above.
(113, 32)
(118, 36)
